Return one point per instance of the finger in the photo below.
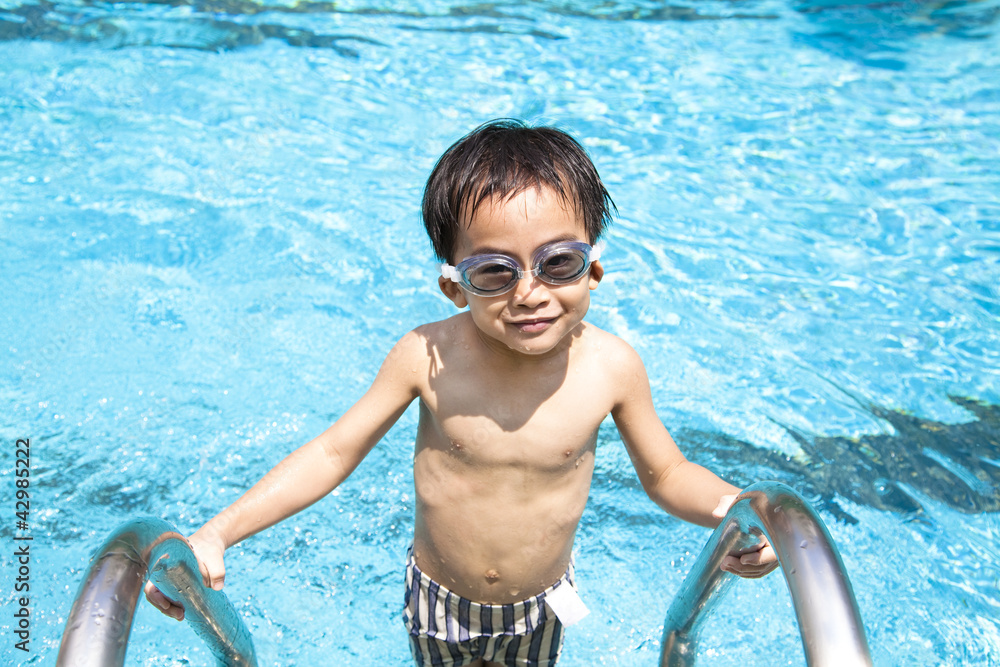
(156, 597)
(730, 564)
(163, 603)
(766, 556)
(725, 502)
(745, 572)
(175, 612)
(206, 577)
(751, 574)
(749, 569)
(217, 579)
(214, 578)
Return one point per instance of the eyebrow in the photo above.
(490, 250)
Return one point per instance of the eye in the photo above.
(563, 266)
(493, 270)
(491, 276)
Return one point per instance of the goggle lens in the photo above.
(563, 267)
(492, 276)
(558, 263)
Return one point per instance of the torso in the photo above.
(502, 469)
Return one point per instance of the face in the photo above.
(533, 318)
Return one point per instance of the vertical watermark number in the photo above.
(22, 543)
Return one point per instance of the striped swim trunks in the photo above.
(447, 630)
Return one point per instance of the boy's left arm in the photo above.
(682, 488)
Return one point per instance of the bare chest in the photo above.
(497, 427)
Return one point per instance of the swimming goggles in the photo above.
(557, 263)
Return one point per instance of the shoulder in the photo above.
(436, 338)
(456, 326)
(424, 346)
(610, 351)
(615, 363)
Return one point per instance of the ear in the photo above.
(596, 274)
(453, 292)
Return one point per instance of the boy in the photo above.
(511, 394)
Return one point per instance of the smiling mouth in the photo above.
(532, 326)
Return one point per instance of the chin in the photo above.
(536, 346)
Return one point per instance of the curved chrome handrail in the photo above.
(829, 621)
(97, 631)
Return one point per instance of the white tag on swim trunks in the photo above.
(565, 602)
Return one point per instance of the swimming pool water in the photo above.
(209, 238)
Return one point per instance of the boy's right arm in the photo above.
(313, 470)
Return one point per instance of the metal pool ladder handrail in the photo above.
(97, 631)
(827, 612)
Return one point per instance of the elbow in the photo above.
(336, 466)
(657, 485)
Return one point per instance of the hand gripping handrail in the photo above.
(97, 631)
(829, 621)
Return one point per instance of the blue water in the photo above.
(209, 238)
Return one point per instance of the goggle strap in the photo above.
(596, 250)
(451, 273)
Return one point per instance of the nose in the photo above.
(529, 291)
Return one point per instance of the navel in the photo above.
(492, 576)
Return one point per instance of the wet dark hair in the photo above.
(500, 159)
